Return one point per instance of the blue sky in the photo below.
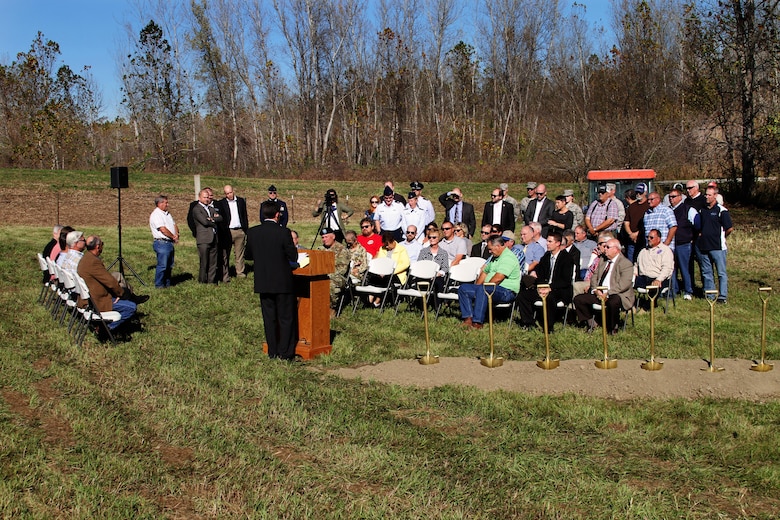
(89, 32)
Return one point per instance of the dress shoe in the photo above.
(466, 323)
(476, 326)
(138, 299)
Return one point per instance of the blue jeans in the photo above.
(706, 260)
(165, 252)
(473, 300)
(126, 309)
(682, 265)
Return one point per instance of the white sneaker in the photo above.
(687, 297)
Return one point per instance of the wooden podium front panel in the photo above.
(312, 287)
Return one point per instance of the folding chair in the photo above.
(420, 271)
(66, 294)
(93, 315)
(51, 298)
(475, 262)
(461, 273)
(46, 278)
(623, 313)
(665, 295)
(382, 267)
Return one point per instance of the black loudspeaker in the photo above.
(119, 177)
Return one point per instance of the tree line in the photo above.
(252, 86)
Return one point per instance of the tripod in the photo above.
(119, 259)
(329, 214)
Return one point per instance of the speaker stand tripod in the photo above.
(120, 261)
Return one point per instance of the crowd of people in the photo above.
(578, 256)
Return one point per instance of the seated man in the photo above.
(503, 270)
(615, 273)
(556, 268)
(338, 278)
(654, 265)
(370, 241)
(103, 287)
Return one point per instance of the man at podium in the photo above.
(275, 258)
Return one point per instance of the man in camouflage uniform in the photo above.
(338, 278)
(358, 257)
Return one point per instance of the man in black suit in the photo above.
(498, 211)
(540, 210)
(556, 269)
(274, 197)
(206, 218)
(481, 249)
(275, 256)
(232, 232)
(456, 210)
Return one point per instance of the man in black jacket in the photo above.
(556, 269)
(498, 211)
(275, 258)
(232, 232)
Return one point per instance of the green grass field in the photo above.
(190, 420)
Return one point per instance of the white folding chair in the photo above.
(93, 315)
(475, 262)
(461, 273)
(665, 295)
(46, 277)
(379, 267)
(419, 271)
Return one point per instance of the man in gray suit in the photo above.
(617, 275)
(206, 219)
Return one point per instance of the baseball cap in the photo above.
(530, 186)
(641, 188)
(508, 235)
(602, 189)
(568, 193)
(73, 237)
(326, 231)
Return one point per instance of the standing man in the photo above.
(165, 233)
(424, 204)
(695, 198)
(275, 258)
(685, 215)
(333, 211)
(504, 187)
(633, 233)
(206, 220)
(615, 273)
(389, 216)
(235, 225)
(104, 289)
(498, 211)
(540, 209)
(575, 208)
(415, 217)
(714, 225)
(273, 197)
(530, 189)
(660, 217)
(602, 214)
(504, 271)
(457, 210)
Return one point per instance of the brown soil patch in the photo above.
(56, 430)
(679, 378)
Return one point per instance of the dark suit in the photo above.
(621, 292)
(231, 238)
(467, 215)
(507, 215)
(206, 239)
(478, 251)
(576, 257)
(548, 207)
(284, 215)
(560, 289)
(275, 258)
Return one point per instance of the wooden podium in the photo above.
(312, 287)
